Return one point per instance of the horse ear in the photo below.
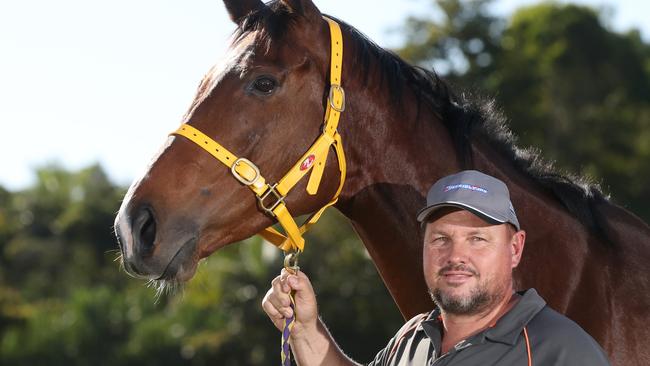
(238, 9)
(304, 7)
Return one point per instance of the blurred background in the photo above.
(90, 89)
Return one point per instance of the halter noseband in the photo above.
(271, 197)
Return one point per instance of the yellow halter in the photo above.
(271, 197)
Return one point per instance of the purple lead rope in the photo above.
(291, 265)
(286, 332)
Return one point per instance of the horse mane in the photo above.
(465, 115)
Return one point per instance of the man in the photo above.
(472, 242)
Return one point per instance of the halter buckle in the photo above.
(278, 199)
(239, 177)
(336, 87)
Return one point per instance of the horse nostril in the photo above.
(149, 232)
(145, 230)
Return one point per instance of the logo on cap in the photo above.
(470, 187)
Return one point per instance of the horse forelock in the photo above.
(270, 23)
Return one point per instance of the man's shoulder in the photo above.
(555, 335)
(407, 332)
(411, 325)
(549, 322)
(419, 318)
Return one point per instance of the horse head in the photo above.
(264, 101)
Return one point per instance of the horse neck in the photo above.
(395, 152)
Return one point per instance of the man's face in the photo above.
(468, 262)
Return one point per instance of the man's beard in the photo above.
(478, 300)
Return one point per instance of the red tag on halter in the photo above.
(307, 163)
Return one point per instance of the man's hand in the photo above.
(277, 303)
(310, 341)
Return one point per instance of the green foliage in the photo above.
(580, 92)
(460, 43)
(64, 217)
(569, 85)
(64, 300)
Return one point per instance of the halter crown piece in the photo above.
(271, 197)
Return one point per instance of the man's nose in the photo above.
(457, 253)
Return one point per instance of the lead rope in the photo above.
(291, 265)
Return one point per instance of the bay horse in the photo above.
(403, 129)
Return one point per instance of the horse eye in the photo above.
(264, 85)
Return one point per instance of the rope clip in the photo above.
(291, 262)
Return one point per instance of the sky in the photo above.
(86, 81)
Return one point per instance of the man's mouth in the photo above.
(457, 277)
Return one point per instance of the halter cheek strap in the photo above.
(271, 197)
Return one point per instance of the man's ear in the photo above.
(239, 9)
(517, 243)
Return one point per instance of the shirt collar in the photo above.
(506, 330)
(432, 327)
(509, 326)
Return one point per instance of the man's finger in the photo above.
(276, 317)
(279, 298)
(271, 309)
(279, 302)
(281, 290)
(299, 282)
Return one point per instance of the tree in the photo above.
(580, 92)
(63, 300)
(570, 86)
(65, 218)
(460, 45)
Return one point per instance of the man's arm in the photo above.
(310, 341)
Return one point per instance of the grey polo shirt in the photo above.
(553, 340)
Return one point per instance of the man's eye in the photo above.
(264, 85)
(477, 238)
(440, 240)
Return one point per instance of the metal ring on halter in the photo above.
(248, 182)
(279, 198)
(291, 262)
(338, 88)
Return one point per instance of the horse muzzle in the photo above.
(151, 252)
